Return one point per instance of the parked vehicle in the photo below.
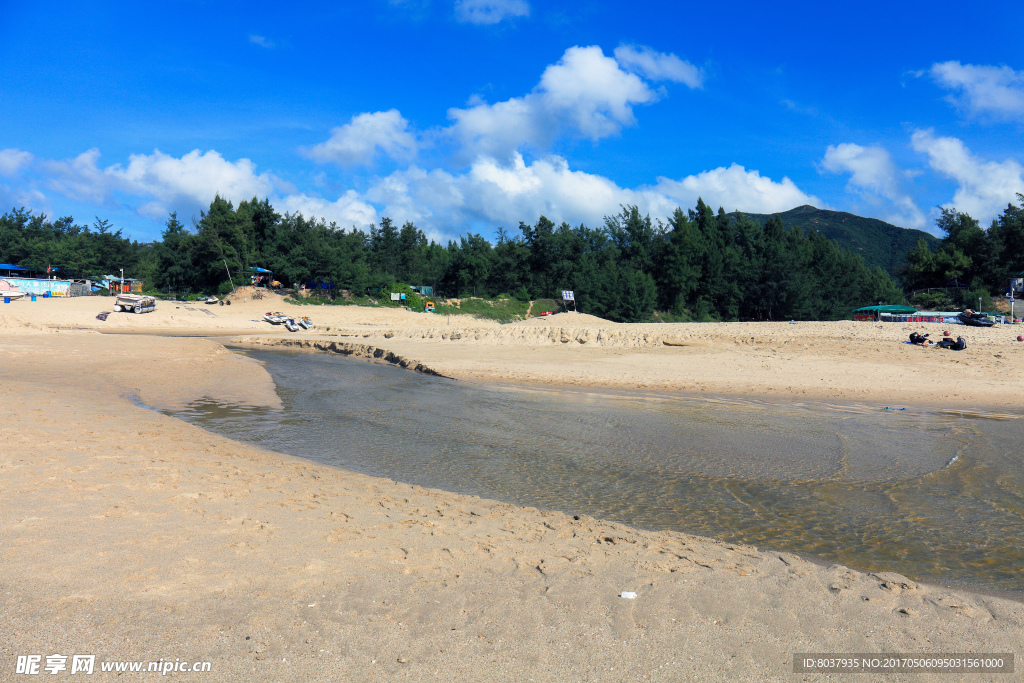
(134, 303)
(275, 318)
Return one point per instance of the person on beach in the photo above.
(919, 339)
(948, 343)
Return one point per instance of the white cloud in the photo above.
(490, 11)
(736, 189)
(985, 187)
(658, 66)
(498, 129)
(593, 91)
(15, 198)
(197, 175)
(585, 93)
(261, 41)
(195, 179)
(79, 178)
(492, 193)
(12, 161)
(994, 90)
(359, 140)
(874, 176)
(347, 211)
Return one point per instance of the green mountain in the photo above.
(880, 243)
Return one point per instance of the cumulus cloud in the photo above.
(994, 90)
(348, 210)
(490, 11)
(79, 178)
(492, 193)
(592, 89)
(359, 140)
(735, 188)
(658, 66)
(874, 176)
(585, 93)
(985, 187)
(194, 179)
(12, 161)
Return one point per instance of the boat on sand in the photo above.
(973, 319)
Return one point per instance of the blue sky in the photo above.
(474, 114)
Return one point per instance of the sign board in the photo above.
(395, 296)
(567, 295)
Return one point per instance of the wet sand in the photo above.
(132, 535)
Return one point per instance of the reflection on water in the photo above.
(936, 495)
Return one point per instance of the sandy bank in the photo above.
(843, 359)
(839, 360)
(132, 535)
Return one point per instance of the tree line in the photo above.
(970, 263)
(696, 265)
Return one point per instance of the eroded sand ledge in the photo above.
(132, 535)
(353, 349)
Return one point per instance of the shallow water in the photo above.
(936, 495)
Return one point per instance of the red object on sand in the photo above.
(1020, 337)
(945, 333)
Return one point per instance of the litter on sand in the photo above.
(628, 595)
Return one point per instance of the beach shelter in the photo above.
(261, 277)
(876, 312)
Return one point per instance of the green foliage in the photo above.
(503, 309)
(935, 300)
(971, 297)
(412, 299)
(78, 250)
(877, 242)
(700, 265)
(969, 261)
(541, 305)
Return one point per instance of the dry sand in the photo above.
(131, 535)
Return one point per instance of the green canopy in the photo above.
(899, 310)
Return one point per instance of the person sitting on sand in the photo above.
(948, 343)
(919, 339)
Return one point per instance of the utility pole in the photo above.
(229, 274)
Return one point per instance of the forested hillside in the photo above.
(970, 261)
(880, 243)
(698, 265)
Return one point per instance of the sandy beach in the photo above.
(132, 535)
